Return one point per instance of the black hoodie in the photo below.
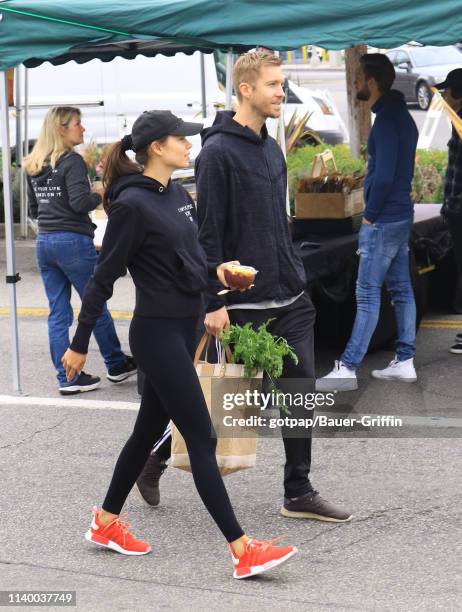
(241, 205)
(151, 231)
(61, 198)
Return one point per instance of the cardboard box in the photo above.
(328, 205)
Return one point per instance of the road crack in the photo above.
(35, 433)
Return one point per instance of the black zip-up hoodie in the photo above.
(241, 205)
(61, 197)
(152, 231)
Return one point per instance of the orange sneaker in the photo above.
(115, 535)
(260, 557)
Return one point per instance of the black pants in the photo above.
(295, 323)
(455, 227)
(164, 350)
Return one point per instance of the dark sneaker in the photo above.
(122, 372)
(85, 382)
(458, 338)
(148, 480)
(456, 348)
(313, 506)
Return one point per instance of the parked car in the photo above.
(418, 68)
(324, 117)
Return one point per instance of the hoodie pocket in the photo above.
(192, 272)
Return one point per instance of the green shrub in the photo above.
(428, 182)
(427, 185)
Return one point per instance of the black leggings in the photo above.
(164, 349)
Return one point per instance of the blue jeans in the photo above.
(65, 260)
(384, 258)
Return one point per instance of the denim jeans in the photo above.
(384, 258)
(66, 260)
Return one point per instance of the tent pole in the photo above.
(229, 79)
(203, 94)
(25, 151)
(11, 278)
(18, 106)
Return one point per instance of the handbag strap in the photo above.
(204, 342)
(229, 355)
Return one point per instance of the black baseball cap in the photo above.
(453, 81)
(156, 124)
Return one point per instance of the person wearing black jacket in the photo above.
(241, 178)
(152, 231)
(60, 198)
(452, 204)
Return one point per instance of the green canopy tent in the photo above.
(35, 31)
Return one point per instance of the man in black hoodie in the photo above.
(241, 178)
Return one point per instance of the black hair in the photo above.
(118, 164)
(378, 66)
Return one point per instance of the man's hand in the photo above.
(221, 271)
(366, 222)
(73, 363)
(216, 321)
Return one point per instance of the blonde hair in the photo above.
(248, 66)
(50, 143)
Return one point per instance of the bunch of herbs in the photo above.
(258, 349)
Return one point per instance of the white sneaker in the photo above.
(397, 370)
(456, 348)
(340, 379)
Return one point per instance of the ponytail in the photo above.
(116, 165)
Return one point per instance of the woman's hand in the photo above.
(73, 363)
(97, 187)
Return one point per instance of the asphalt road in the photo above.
(401, 552)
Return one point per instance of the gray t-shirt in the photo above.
(267, 304)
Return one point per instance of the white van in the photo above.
(112, 94)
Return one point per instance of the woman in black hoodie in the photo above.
(152, 231)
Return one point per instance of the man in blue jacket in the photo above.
(384, 235)
(241, 178)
